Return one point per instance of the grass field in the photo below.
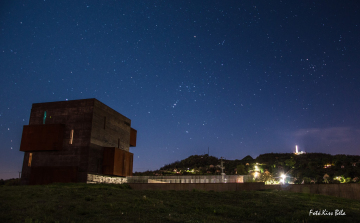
(118, 203)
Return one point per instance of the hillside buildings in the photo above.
(67, 140)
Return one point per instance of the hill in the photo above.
(303, 168)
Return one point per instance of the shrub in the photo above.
(12, 182)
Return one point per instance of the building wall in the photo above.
(95, 159)
(53, 174)
(93, 126)
(75, 115)
(109, 128)
(25, 173)
(94, 179)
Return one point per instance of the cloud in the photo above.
(335, 140)
(331, 135)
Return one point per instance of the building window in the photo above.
(71, 136)
(30, 159)
(44, 118)
(104, 122)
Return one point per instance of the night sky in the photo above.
(240, 77)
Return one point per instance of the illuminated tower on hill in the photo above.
(297, 152)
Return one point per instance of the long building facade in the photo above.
(67, 140)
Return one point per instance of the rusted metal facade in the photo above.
(67, 140)
(117, 162)
(133, 134)
(42, 137)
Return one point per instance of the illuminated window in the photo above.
(71, 136)
(30, 159)
(44, 117)
(104, 122)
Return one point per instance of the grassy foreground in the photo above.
(118, 203)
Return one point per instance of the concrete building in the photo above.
(67, 140)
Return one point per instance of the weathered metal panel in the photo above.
(133, 134)
(129, 162)
(42, 137)
(117, 162)
(53, 174)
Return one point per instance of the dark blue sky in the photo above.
(240, 77)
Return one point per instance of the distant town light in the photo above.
(282, 180)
